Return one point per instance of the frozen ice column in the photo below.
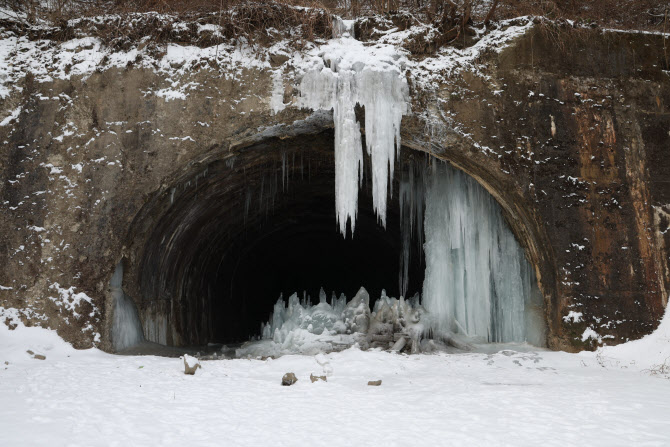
(126, 326)
(478, 282)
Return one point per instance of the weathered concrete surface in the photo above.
(573, 145)
(575, 140)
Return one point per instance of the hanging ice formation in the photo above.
(478, 282)
(349, 73)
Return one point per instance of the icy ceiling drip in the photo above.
(344, 74)
(411, 200)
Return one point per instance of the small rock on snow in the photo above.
(191, 364)
(314, 378)
(288, 379)
(375, 382)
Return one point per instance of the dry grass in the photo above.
(641, 14)
(122, 25)
(622, 14)
(263, 21)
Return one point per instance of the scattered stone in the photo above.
(314, 378)
(35, 356)
(277, 59)
(288, 379)
(6, 362)
(375, 382)
(191, 364)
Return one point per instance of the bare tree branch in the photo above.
(489, 15)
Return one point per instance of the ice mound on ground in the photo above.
(400, 315)
(392, 316)
(338, 317)
(357, 312)
(321, 319)
(298, 327)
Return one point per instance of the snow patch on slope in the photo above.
(49, 60)
(70, 300)
(650, 353)
(12, 116)
(15, 342)
(277, 96)
(430, 72)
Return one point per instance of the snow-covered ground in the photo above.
(92, 398)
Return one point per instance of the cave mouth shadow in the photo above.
(231, 236)
(299, 249)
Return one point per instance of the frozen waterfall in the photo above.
(345, 74)
(478, 282)
(126, 326)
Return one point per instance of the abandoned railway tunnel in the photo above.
(211, 205)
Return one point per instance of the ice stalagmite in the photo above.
(347, 73)
(478, 282)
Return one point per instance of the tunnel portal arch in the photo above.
(224, 203)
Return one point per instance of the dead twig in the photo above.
(492, 11)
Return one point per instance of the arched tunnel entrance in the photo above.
(231, 236)
(210, 255)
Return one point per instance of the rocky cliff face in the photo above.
(575, 136)
(125, 164)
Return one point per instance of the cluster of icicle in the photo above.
(349, 73)
(411, 200)
(289, 321)
(265, 194)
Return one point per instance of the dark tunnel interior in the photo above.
(234, 234)
(299, 249)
